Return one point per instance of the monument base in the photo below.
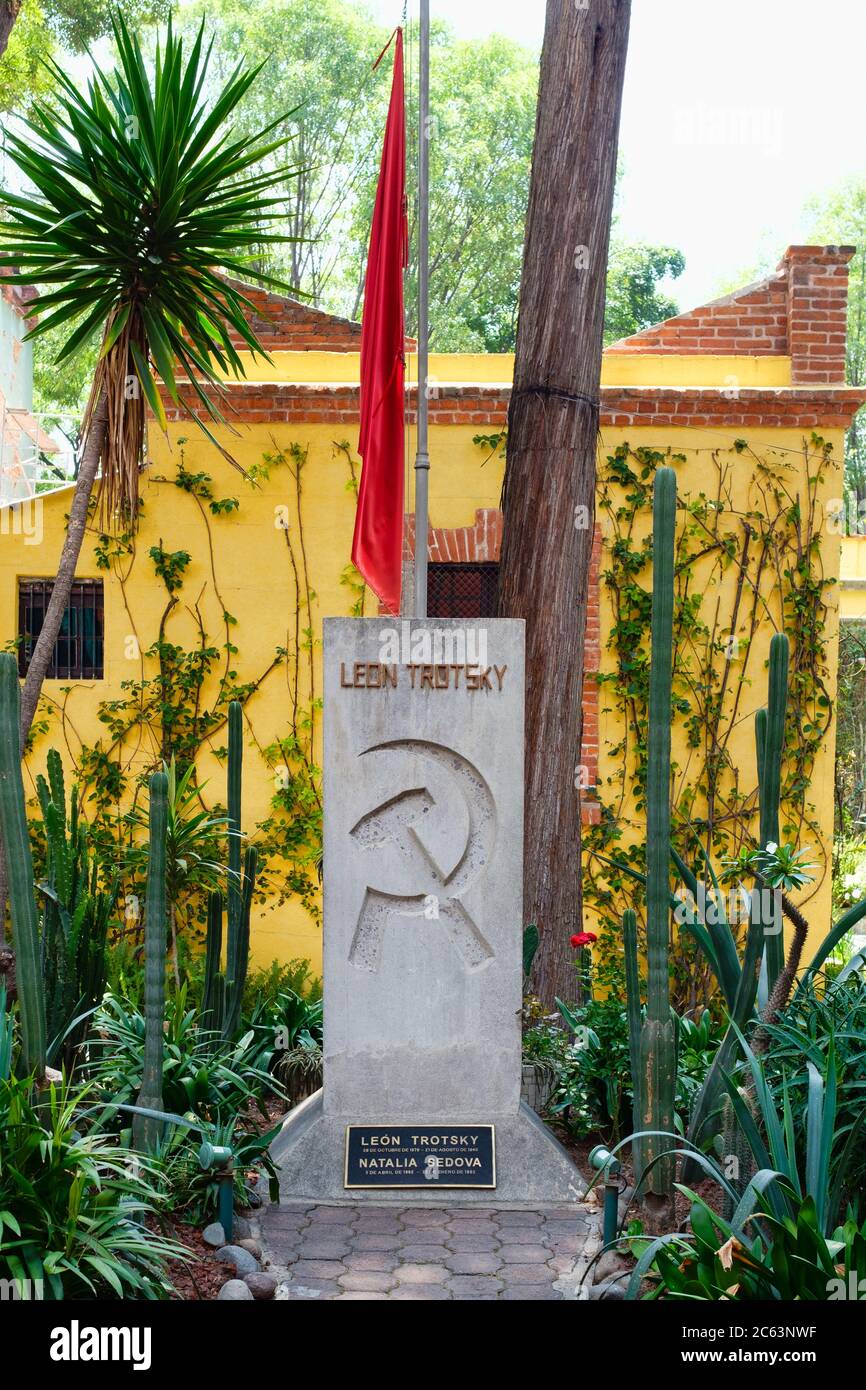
(532, 1167)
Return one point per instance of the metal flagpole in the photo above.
(422, 456)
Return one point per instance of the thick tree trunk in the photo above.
(8, 14)
(41, 658)
(549, 491)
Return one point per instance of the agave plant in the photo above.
(796, 1145)
(791, 1260)
(139, 203)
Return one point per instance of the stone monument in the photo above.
(423, 854)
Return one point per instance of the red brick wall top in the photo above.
(798, 311)
(284, 324)
(800, 407)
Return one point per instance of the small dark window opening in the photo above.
(78, 651)
(462, 591)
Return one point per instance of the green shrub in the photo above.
(213, 1079)
(823, 1022)
(193, 1192)
(593, 1090)
(265, 985)
(698, 1041)
(849, 869)
(789, 1158)
(786, 1259)
(73, 1205)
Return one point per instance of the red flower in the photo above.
(584, 938)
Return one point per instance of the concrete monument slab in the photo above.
(423, 854)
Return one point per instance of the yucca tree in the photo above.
(144, 202)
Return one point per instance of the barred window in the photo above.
(78, 651)
(462, 591)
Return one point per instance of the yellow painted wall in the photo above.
(852, 579)
(618, 368)
(696, 475)
(253, 577)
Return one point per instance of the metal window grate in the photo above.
(462, 591)
(78, 651)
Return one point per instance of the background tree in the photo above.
(851, 729)
(75, 23)
(634, 299)
(321, 89)
(9, 11)
(23, 76)
(483, 98)
(841, 220)
(319, 85)
(549, 491)
(143, 200)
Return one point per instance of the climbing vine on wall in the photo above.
(176, 703)
(738, 567)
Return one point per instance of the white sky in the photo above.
(736, 113)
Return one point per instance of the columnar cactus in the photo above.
(213, 951)
(770, 734)
(235, 769)
(235, 982)
(146, 1128)
(75, 917)
(658, 1046)
(223, 992)
(769, 741)
(633, 1013)
(19, 870)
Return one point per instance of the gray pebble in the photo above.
(235, 1291)
(214, 1235)
(262, 1286)
(243, 1261)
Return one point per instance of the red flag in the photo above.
(377, 547)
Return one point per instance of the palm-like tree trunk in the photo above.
(549, 492)
(41, 658)
(8, 14)
(59, 601)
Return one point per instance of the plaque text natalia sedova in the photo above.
(431, 1156)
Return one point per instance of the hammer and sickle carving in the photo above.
(394, 823)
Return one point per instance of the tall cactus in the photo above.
(223, 992)
(770, 735)
(210, 1006)
(705, 1118)
(235, 982)
(658, 1047)
(235, 769)
(633, 1013)
(75, 917)
(19, 869)
(146, 1129)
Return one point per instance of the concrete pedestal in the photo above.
(423, 921)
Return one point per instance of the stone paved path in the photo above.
(358, 1251)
